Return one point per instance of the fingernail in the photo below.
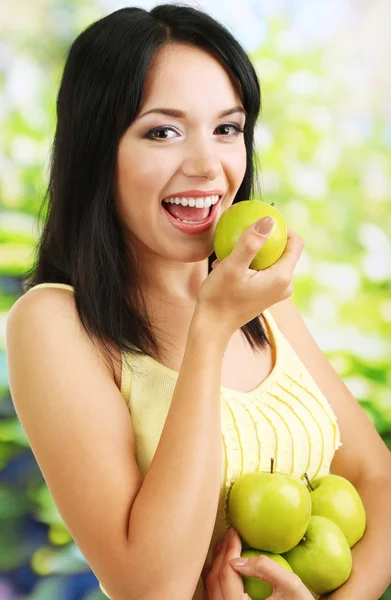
(264, 225)
(238, 562)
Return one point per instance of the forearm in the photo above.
(371, 573)
(173, 516)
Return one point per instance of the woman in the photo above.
(154, 140)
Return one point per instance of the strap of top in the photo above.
(55, 285)
(272, 326)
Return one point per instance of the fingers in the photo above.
(248, 245)
(292, 252)
(207, 568)
(222, 582)
(212, 581)
(284, 582)
(231, 584)
(282, 270)
(264, 568)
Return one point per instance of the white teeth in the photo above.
(205, 202)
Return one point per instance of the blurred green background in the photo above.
(323, 141)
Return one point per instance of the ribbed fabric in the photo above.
(285, 417)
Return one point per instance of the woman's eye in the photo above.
(158, 131)
(236, 129)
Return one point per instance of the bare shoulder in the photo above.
(285, 314)
(46, 308)
(78, 427)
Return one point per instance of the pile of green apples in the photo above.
(308, 527)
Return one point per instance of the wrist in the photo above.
(206, 324)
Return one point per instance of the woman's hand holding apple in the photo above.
(236, 294)
(223, 582)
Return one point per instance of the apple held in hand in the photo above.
(270, 511)
(255, 587)
(323, 559)
(337, 499)
(239, 217)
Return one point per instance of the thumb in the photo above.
(250, 242)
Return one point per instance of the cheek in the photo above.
(133, 169)
(136, 179)
(141, 178)
(143, 170)
(238, 165)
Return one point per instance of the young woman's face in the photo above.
(160, 156)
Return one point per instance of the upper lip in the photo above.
(195, 194)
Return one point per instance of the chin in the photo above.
(192, 255)
(197, 257)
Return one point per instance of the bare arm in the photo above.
(137, 534)
(173, 516)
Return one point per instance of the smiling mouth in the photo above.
(189, 220)
(191, 226)
(190, 213)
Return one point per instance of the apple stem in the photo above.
(271, 465)
(308, 481)
(272, 204)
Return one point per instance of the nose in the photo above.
(202, 164)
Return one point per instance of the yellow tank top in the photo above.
(285, 417)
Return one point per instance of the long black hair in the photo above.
(81, 243)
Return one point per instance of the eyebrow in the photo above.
(172, 112)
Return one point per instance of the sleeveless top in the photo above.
(286, 417)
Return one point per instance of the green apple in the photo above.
(337, 499)
(270, 511)
(323, 559)
(256, 588)
(239, 217)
